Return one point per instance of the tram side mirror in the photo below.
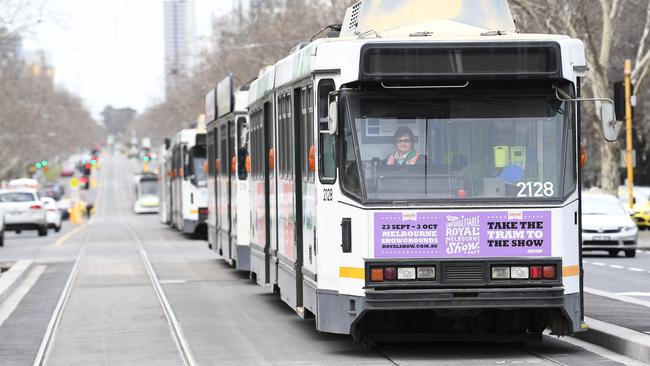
(332, 118)
(608, 119)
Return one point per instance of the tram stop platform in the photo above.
(620, 326)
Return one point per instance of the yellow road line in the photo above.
(351, 272)
(68, 235)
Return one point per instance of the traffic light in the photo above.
(84, 182)
(41, 164)
(87, 168)
(147, 157)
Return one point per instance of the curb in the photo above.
(13, 277)
(621, 340)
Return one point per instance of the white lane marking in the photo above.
(636, 269)
(171, 282)
(638, 294)
(48, 339)
(614, 296)
(11, 303)
(616, 266)
(599, 264)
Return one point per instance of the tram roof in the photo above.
(342, 55)
(187, 135)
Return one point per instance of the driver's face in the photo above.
(403, 144)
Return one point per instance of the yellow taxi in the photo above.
(640, 211)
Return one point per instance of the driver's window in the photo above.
(351, 180)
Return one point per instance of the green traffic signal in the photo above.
(39, 165)
(146, 158)
(44, 163)
(93, 162)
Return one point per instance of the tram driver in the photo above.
(405, 153)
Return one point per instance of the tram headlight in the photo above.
(426, 273)
(519, 273)
(500, 273)
(406, 273)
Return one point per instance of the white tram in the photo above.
(189, 190)
(422, 169)
(228, 187)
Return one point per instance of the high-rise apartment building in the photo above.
(180, 39)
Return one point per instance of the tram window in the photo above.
(268, 138)
(351, 180)
(231, 148)
(242, 147)
(326, 142)
(309, 127)
(290, 145)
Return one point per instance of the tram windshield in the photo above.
(148, 187)
(471, 146)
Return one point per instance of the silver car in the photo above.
(23, 210)
(606, 225)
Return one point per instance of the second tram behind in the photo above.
(188, 208)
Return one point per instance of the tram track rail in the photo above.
(182, 344)
(532, 352)
(45, 348)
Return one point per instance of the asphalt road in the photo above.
(114, 314)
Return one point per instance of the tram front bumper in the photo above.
(483, 298)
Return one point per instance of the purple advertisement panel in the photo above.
(462, 234)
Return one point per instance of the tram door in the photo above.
(299, 122)
(224, 192)
(211, 189)
(270, 194)
(232, 189)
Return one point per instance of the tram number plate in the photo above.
(602, 238)
(328, 195)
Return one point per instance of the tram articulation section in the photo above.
(410, 170)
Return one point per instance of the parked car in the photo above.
(53, 215)
(607, 226)
(23, 210)
(2, 228)
(23, 183)
(67, 170)
(54, 190)
(641, 205)
(64, 206)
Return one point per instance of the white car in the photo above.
(607, 226)
(53, 214)
(23, 210)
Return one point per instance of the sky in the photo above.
(111, 51)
